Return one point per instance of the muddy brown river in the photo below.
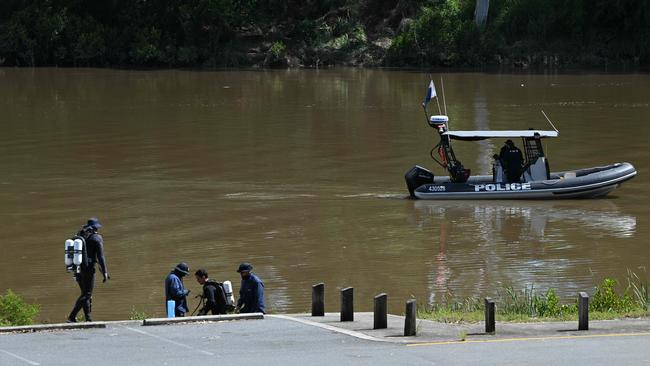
(301, 173)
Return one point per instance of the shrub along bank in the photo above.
(529, 305)
(14, 310)
(315, 33)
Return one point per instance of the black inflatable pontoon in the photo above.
(536, 180)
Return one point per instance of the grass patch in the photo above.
(528, 305)
(137, 315)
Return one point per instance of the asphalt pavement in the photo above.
(298, 340)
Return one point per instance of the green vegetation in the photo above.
(527, 305)
(527, 32)
(137, 315)
(313, 33)
(14, 310)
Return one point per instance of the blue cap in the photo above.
(93, 222)
(244, 267)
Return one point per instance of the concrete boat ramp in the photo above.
(300, 339)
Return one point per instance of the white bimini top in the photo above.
(482, 135)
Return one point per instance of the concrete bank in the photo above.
(362, 327)
(145, 322)
(55, 326)
(291, 340)
(430, 331)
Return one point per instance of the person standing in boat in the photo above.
(512, 161)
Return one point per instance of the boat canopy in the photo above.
(482, 135)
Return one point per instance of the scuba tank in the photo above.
(75, 253)
(230, 299)
(69, 252)
(78, 252)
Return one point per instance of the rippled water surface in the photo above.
(301, 173)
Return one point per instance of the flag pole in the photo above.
(426, 115)
(437, 100)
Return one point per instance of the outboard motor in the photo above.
(416, 177)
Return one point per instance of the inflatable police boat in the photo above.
(533, 179)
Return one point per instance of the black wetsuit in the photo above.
(215, 298)
(86, 277)
(512, 161)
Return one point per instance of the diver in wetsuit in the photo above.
(86, 276)
(512, 161)
(213, 294)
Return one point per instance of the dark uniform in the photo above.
(512, 161)
(251, 295)
(215, 298)
(86, 276)
(175, 289)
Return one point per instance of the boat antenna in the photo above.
(549, 121)
(442, 85)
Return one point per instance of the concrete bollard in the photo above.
(318, 299)
(381, 312)
(583, 311)
(409, 319)
(490, 322)
(347, 304)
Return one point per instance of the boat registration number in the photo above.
(437, 189)
(502, 187)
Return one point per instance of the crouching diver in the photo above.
(175, 290)
(213, 294)
(251, 292)
(85, 277)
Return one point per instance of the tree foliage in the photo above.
(169, 33)
(578, 31)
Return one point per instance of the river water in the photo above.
(300, 172)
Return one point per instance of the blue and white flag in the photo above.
(431, 93)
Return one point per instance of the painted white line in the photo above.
(168, 340)
(20, 358)
(549, 338)
(351, 333)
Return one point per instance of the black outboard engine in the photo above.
(416, 177)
